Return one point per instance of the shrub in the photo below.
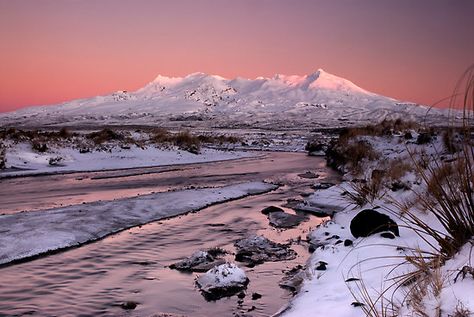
(54, 161)
(3, 160)
(342, 152)
(39, 146)
(188, 142)
(105, 135)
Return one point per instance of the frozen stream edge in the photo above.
(29, 234)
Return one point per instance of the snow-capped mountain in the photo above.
(318, 99)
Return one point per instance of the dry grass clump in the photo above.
(350, 153)
(105, 135)
(220, 139)
(461, 311)
(183, 140)
(450, 188)
(188, 142)
(384, 128)
(3, 160)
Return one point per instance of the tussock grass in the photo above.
(3, 159)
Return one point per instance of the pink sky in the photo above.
(51, 51)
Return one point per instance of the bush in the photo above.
(39, 146)
(343, 152)
(105, 135)
(3, 160)
(54, 161)
(188, 142)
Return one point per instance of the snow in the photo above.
(374, 263)
(21, 156)
(221, 102)
(31, 233)
(227, 275)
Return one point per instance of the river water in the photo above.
(94, 279)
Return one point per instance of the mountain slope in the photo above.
(318, 99)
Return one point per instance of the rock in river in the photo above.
(221, 281)
(281, 219)
(258, 249)
(200, 261)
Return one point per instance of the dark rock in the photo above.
(322, 266)
(258, 249)
(256, 296)
(408, 135)
(129, 305)
(338, 242)
(222, 281)
(347, 242)
(309, 175)
(352, 279)
(369, 221)
(320, 186)
(293, 279)
(271, 209)
(399, 185)
(241, 295)
(424, 138)
(357, 304)
(281, 219)
(387, 235)
(200, 261)
(315, 147)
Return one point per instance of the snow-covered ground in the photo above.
(369, 269)
(283, 102)
(28, 234)
(21, 159)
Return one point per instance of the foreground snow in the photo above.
(28, 234)
(373, 265)
(22, 160)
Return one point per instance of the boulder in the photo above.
(369, 221)
(200, 261)
(258, 249)
(271, 209)
(222, 281)
(281, 219)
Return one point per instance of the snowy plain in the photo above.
(22, 160)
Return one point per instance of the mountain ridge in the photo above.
(200, 99)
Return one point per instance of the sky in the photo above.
(57, 50)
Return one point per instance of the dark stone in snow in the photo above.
(241, 295)
(387, 235)
(347, 242)
(322, 266)
(271, 209)
(256, 296)
(369, 221)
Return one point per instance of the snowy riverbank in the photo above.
(29, 234)
(384, 274)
